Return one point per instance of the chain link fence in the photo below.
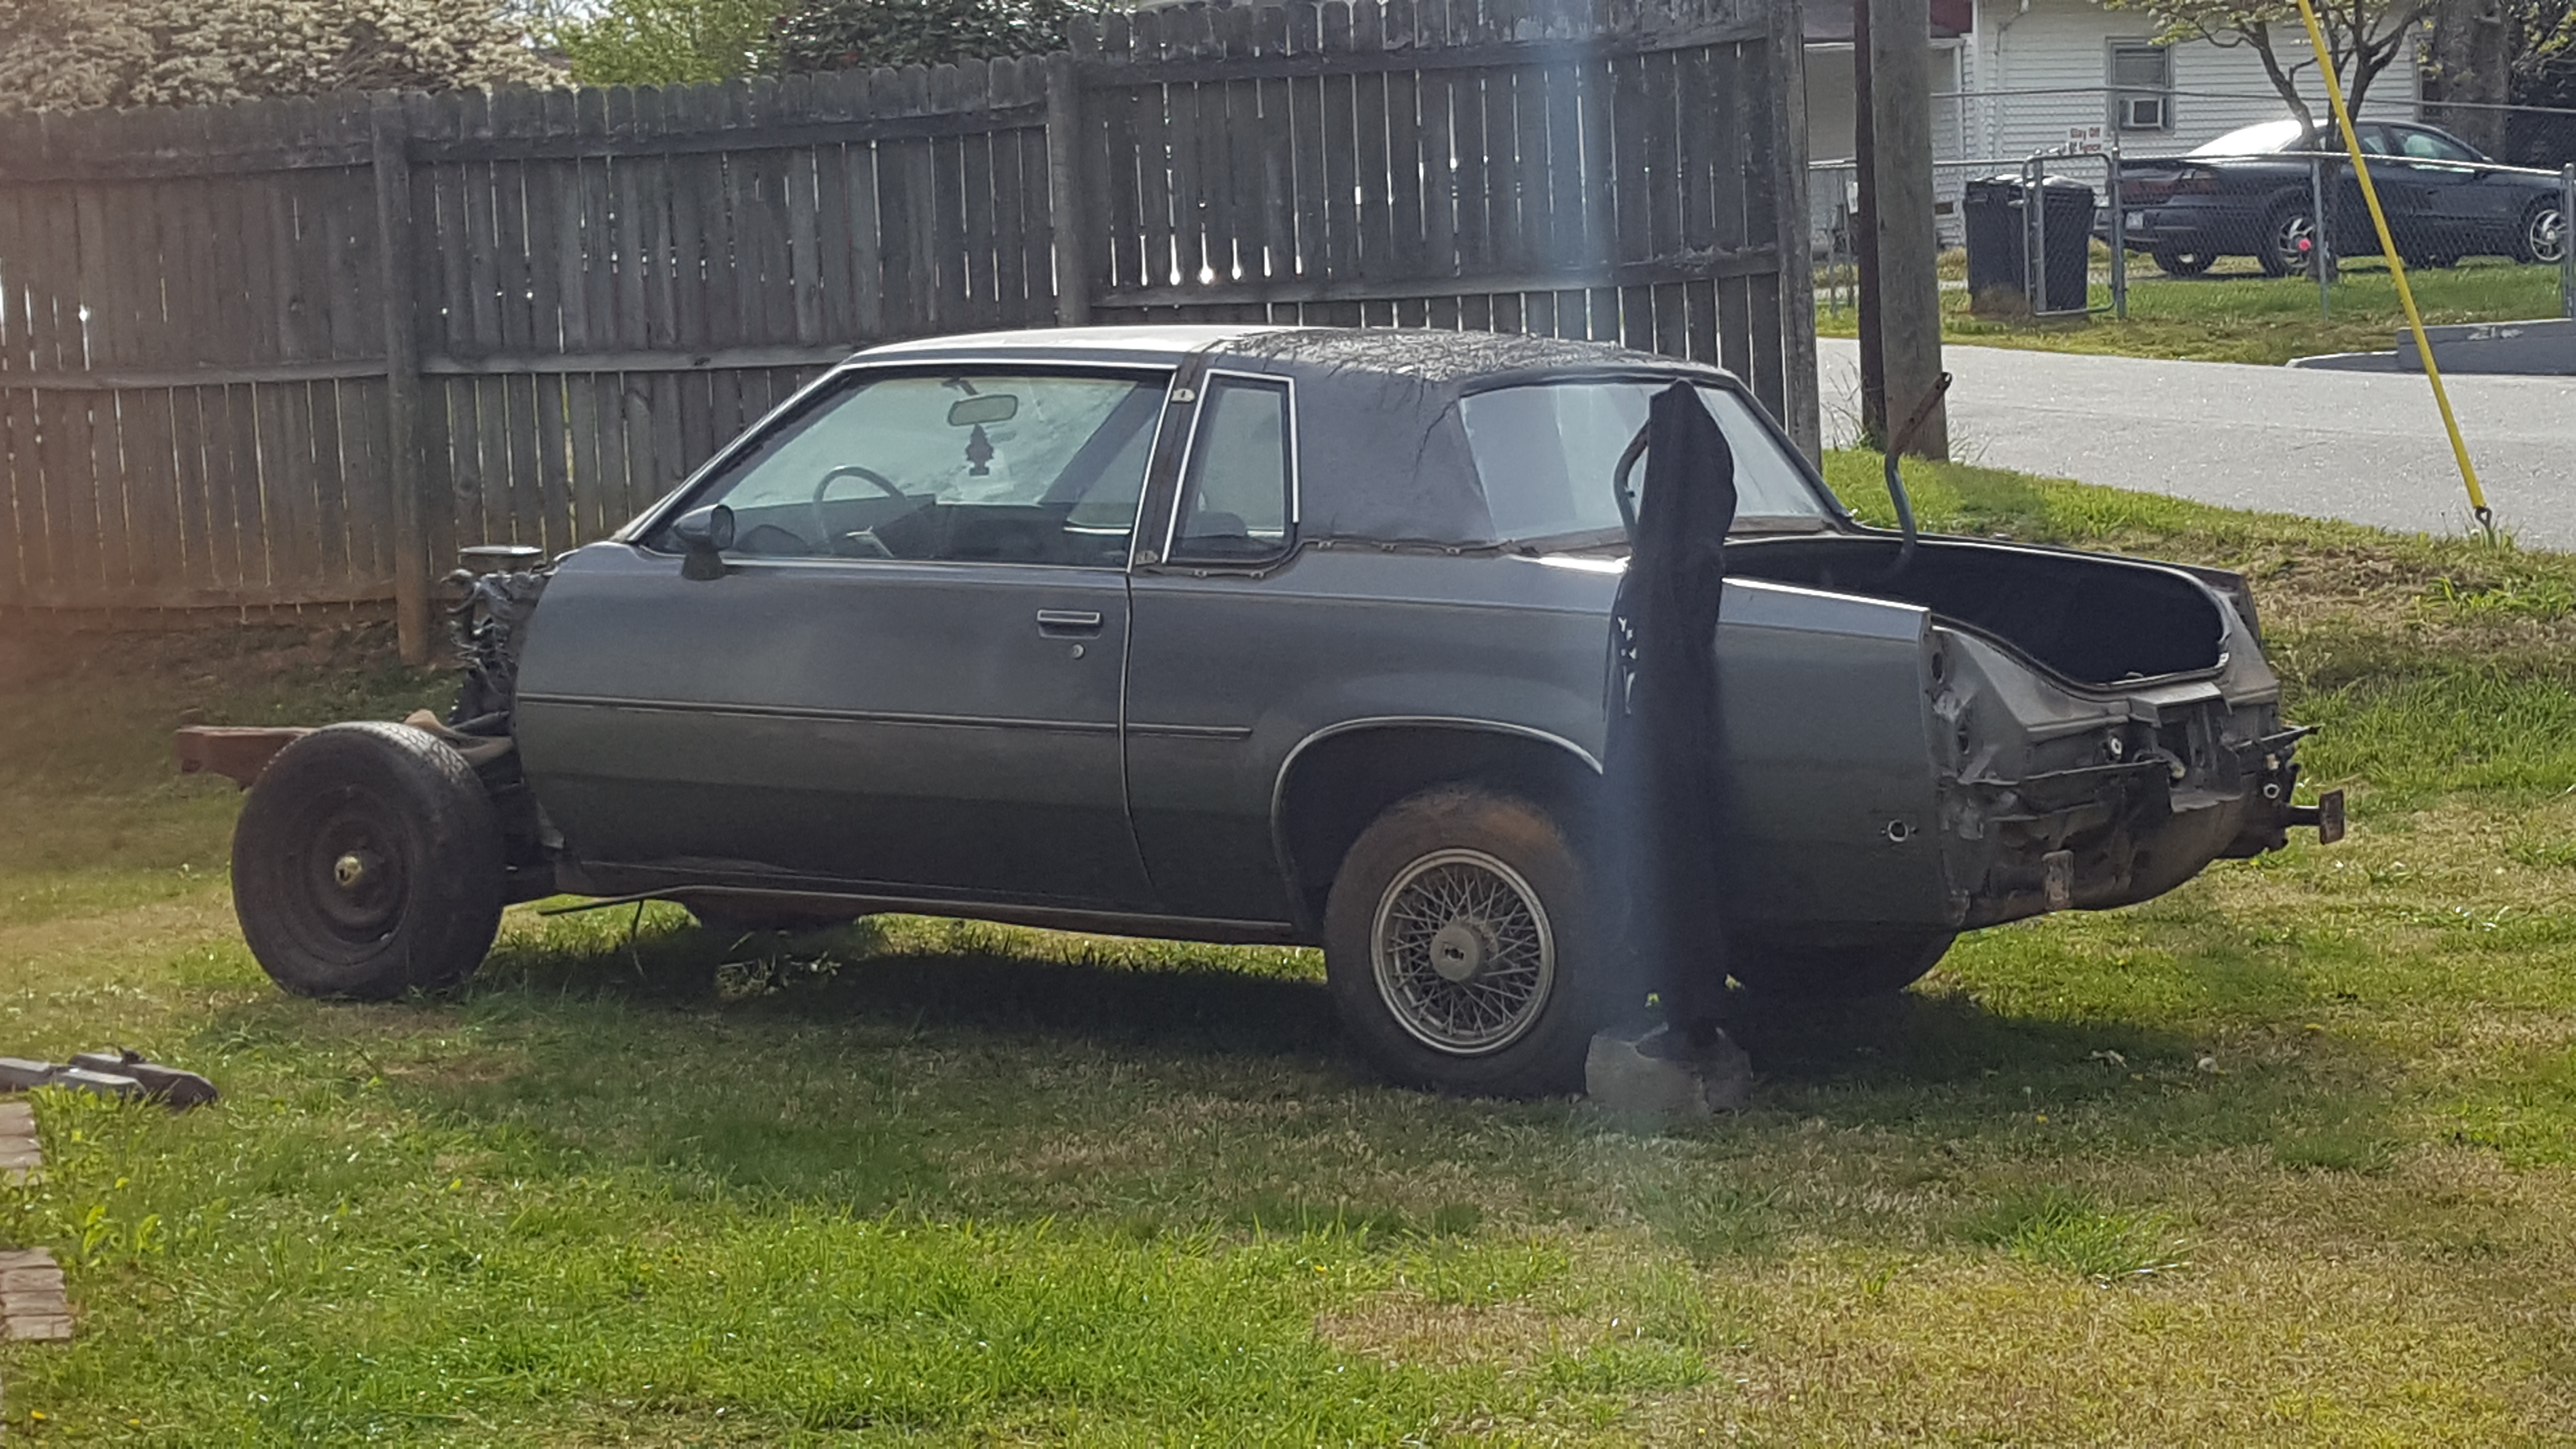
(2264, 199)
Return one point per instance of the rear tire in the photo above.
(1836, 973)
(2287, 225)
(1463, 949)
(368, 861)
(2177, 263)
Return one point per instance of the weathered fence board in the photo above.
(297, 352)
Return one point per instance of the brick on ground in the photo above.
(20, 1155)
(32, 1302)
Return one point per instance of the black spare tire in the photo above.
(1462, 947)
(367, 862)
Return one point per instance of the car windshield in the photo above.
(1548, 455)
(991, 465)
(2256, 140)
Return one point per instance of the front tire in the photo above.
(368, 862)
(1462, 947)
(2542, 237)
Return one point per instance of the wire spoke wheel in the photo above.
(1463, 952)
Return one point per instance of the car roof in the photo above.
(1425, 354)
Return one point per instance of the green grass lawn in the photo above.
(2243, 316)
(2287, 1157)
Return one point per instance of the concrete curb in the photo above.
(2543, 347)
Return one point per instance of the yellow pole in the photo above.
(2396, 268)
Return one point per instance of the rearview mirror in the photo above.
(703, 535)
(991, 407)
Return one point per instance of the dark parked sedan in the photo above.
(1259, 635)
(2250, 193)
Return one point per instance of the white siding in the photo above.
(2064, 46)
(1830, 120)
(1830, 100)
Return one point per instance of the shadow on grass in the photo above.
(948, 1068)
(943, 975)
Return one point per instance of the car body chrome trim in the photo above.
(1192, 732)
(837, 716)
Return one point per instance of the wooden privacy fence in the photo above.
(296, 352)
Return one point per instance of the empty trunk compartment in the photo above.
(2094, 620)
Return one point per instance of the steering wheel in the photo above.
(823, 526)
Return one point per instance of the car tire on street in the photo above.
(1786, 972)
(2177, 263)
(368, 861)
(1462, 947)
(2542, 237)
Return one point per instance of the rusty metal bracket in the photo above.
(2325, 817)
(237, 753)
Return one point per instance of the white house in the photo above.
(2013, 77)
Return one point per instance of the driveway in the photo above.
(2363, 446)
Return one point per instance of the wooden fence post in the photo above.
(1065, 210)
(390, 132)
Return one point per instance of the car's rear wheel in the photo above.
(2542, 237)
(368, 861)
(1462, 947)
(2176, 262)
(1788, 971)
(2288, 236)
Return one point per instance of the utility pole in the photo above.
(1864, 224)
(1900, 298)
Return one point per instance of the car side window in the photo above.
(2426, 146)
(1236, 491)
(972, 466)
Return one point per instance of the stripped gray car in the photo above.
(1260, 635)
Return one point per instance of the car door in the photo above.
(906, 678)
(2486, 202)
(2445, 197)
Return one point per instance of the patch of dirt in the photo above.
(1397, 1329)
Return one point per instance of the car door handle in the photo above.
(1068, 623)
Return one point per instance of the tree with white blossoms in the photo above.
(63, 55)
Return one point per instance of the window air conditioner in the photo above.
(2142, 113)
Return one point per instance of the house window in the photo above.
(2141, 85)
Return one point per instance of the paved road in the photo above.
(2364, 446)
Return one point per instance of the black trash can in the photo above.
(1998, 237)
